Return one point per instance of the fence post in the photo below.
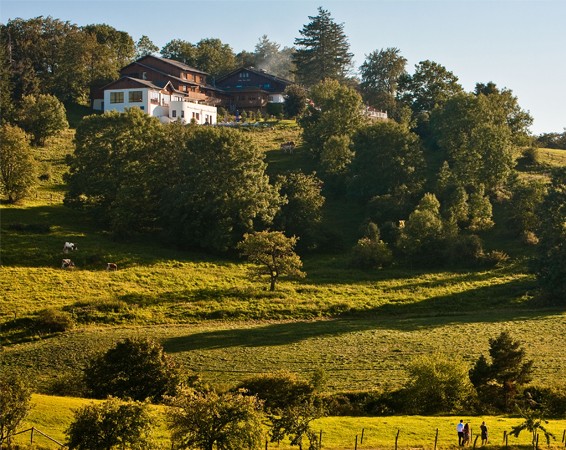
(320, 439)
(436, 439)
(563, 435)
(31, 435)
(356, 444)
(362, 438)
(265, 443)
(397, 438)
(476, 440)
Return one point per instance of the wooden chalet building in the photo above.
(163, 88)
(171, 90)
(250, 89)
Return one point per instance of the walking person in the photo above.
(483, 428)
(466, 440)
(460, 430)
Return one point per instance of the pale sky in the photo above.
(517, 44)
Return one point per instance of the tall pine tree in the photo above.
(322, 50)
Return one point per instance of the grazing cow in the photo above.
(69, 247)
(288, 147)
(111, 266)
(67, 264)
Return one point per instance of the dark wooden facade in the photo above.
(250, 89)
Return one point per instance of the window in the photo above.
(135, 96)
(244, 74)
(116, 97)
(174, 113)
(182, 114)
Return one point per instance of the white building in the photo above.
(163, 102)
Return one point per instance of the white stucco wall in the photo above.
(186, 111)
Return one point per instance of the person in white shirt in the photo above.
(460, 430)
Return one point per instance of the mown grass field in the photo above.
(54, 414)
(361, 328)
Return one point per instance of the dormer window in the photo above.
(244, 74)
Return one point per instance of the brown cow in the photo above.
(67, 264)
(111, 266)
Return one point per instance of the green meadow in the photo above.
(55, 414)
(361, 327)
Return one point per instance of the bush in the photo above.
(135, 368)
(495, 258)
(278, 390)
(371, 254)
(109, 425)
(53, 321)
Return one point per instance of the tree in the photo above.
(480, 210)
(322, 50)
(388, 159)
(209, 420)
(111, 425)
(370, 252)
(337, 111)
(525, 205)
(475, 141)
(112, 172)
(42, 116)
(135, 368)
(295, 421)
(533, 423)
(430, 86)
(144, 47)
(295, 100)
(505, 106)
(216, 189)
(273, 253)
(380, 74)
(214, 57)
(17, 164)
(437, 384)
(550, 260)
(422, 238)
(15, 397)
(497, 381)
(269, 57)
(302, 214)
(179, 50)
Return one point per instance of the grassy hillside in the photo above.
(362, 328)
(53, 415)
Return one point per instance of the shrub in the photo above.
(53, 321)
(135, 368)
(495, 258)
(109, 425)
(371, 254)
(278, 390)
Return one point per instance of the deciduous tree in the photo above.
(336, 111)
(111, 425)
(145, 46)
(135, 368)
(15, 397)
(380, 74)
(42, 117)
(209, 420)
(17, 164)
(550, 261)
(437, 384)
(301, 215)
(388, 159)
(273, 254)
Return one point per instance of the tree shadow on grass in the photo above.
(438, 311)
